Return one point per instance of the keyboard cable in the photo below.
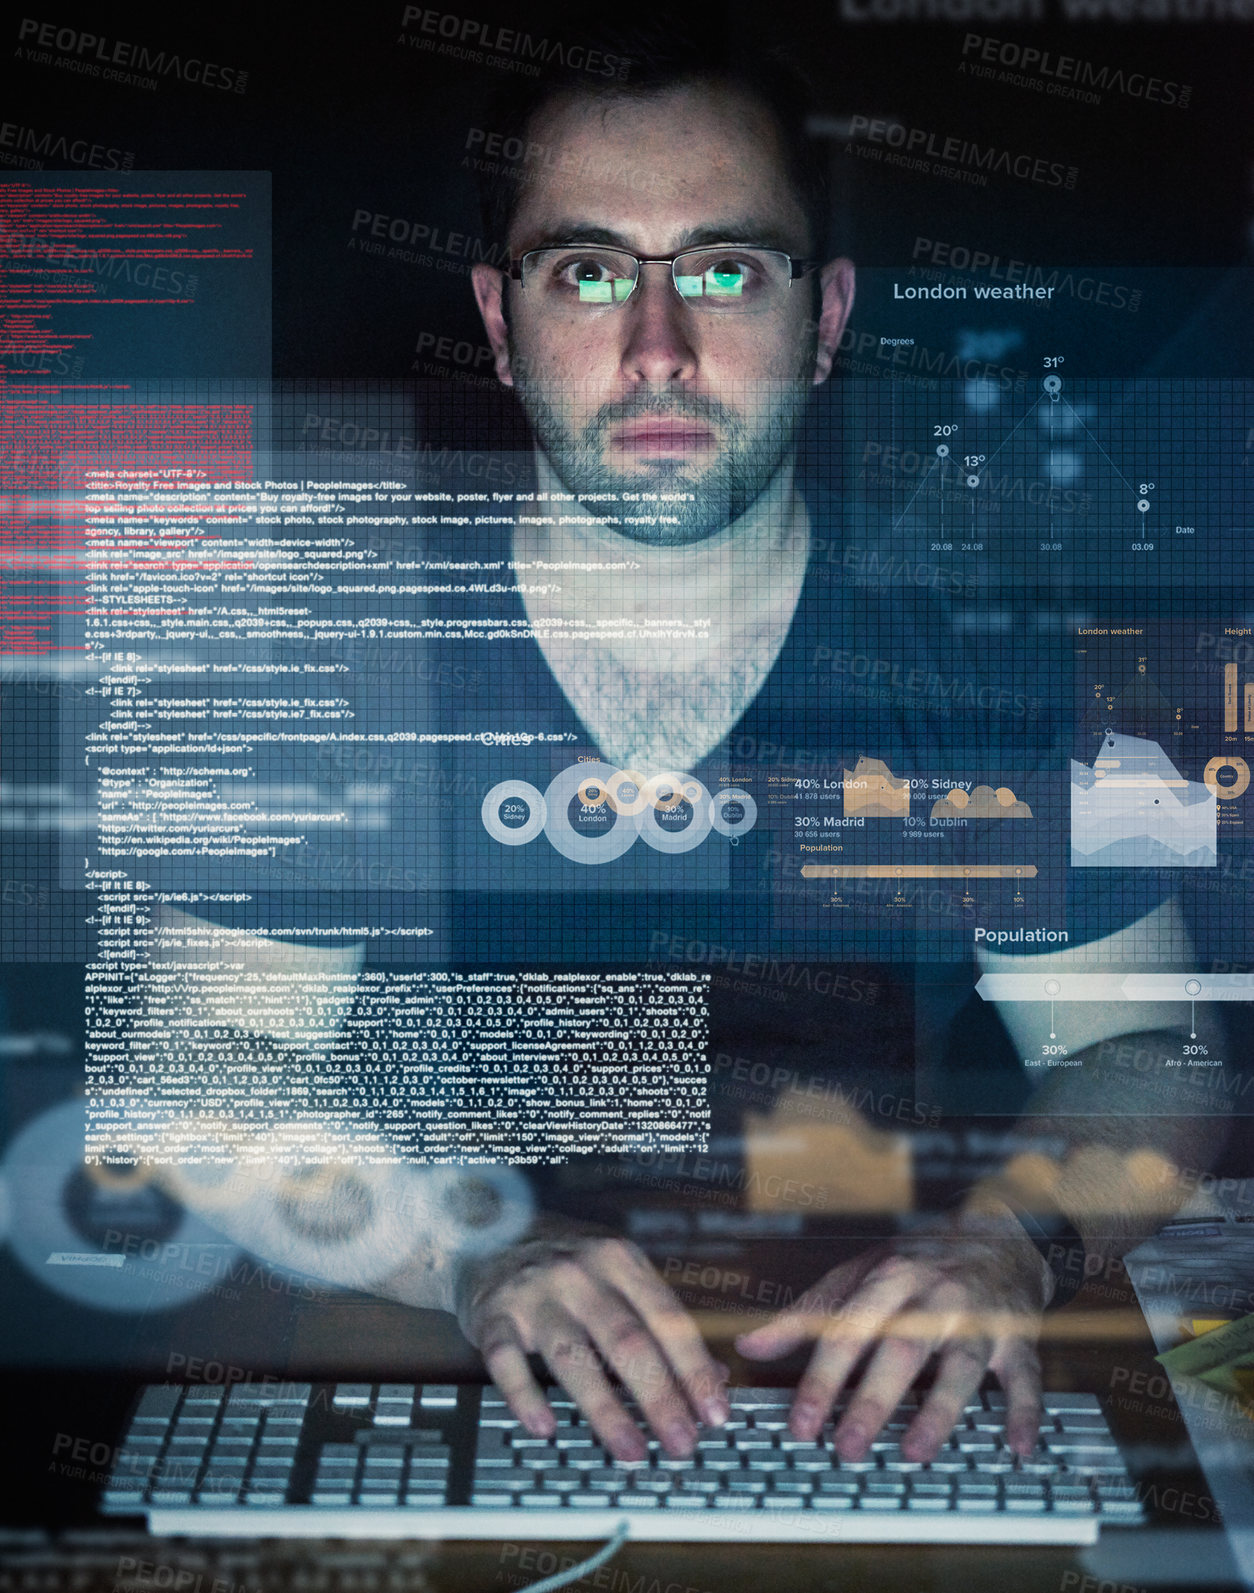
(594, 1562)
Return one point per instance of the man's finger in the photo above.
(635, 1355)
(506, 1361)
(571, 1358)
(888, 1376)
(1018, 1370)
(846, 1335)
(962, 1367)
(698, 1373)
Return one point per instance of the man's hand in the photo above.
(971, 1295)
(584, 1302)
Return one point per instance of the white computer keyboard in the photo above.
(449, 1461)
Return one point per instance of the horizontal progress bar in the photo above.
(918, 871)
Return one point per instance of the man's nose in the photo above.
(658, 346)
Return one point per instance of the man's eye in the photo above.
(730, 276)
(587, 271)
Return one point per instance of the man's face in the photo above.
(658, 393)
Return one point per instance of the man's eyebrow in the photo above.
(746, 230)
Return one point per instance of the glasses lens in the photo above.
(580, 276)
(732, 279)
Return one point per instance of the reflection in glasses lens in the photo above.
(725, 277)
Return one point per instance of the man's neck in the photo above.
(660, 650)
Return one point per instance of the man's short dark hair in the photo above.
(650, 57)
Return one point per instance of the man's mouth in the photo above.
(655, 436)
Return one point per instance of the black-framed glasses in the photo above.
(720, 277)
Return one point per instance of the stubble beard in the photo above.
(722, 490)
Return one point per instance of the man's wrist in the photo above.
(1000, 1223)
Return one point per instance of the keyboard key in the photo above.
(787, 1484)
(928, 1501)
(488, 1500)
(831, 1501)
(881, 1501)
(159, 1400)
(734, 1501)
(351, 1394)
(1116, 1490)
(561, 1482)
(589, 1501)
(638, 1501)
(687, 1501)
(775, 1501)
(1070, 1404)
(429, 1500)
(439, 1396)
(1119, 1509)
(747, 1483)
(758, 1398)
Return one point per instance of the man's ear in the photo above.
(489, 286)
(836, 284)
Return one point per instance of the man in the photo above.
(662, 322)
